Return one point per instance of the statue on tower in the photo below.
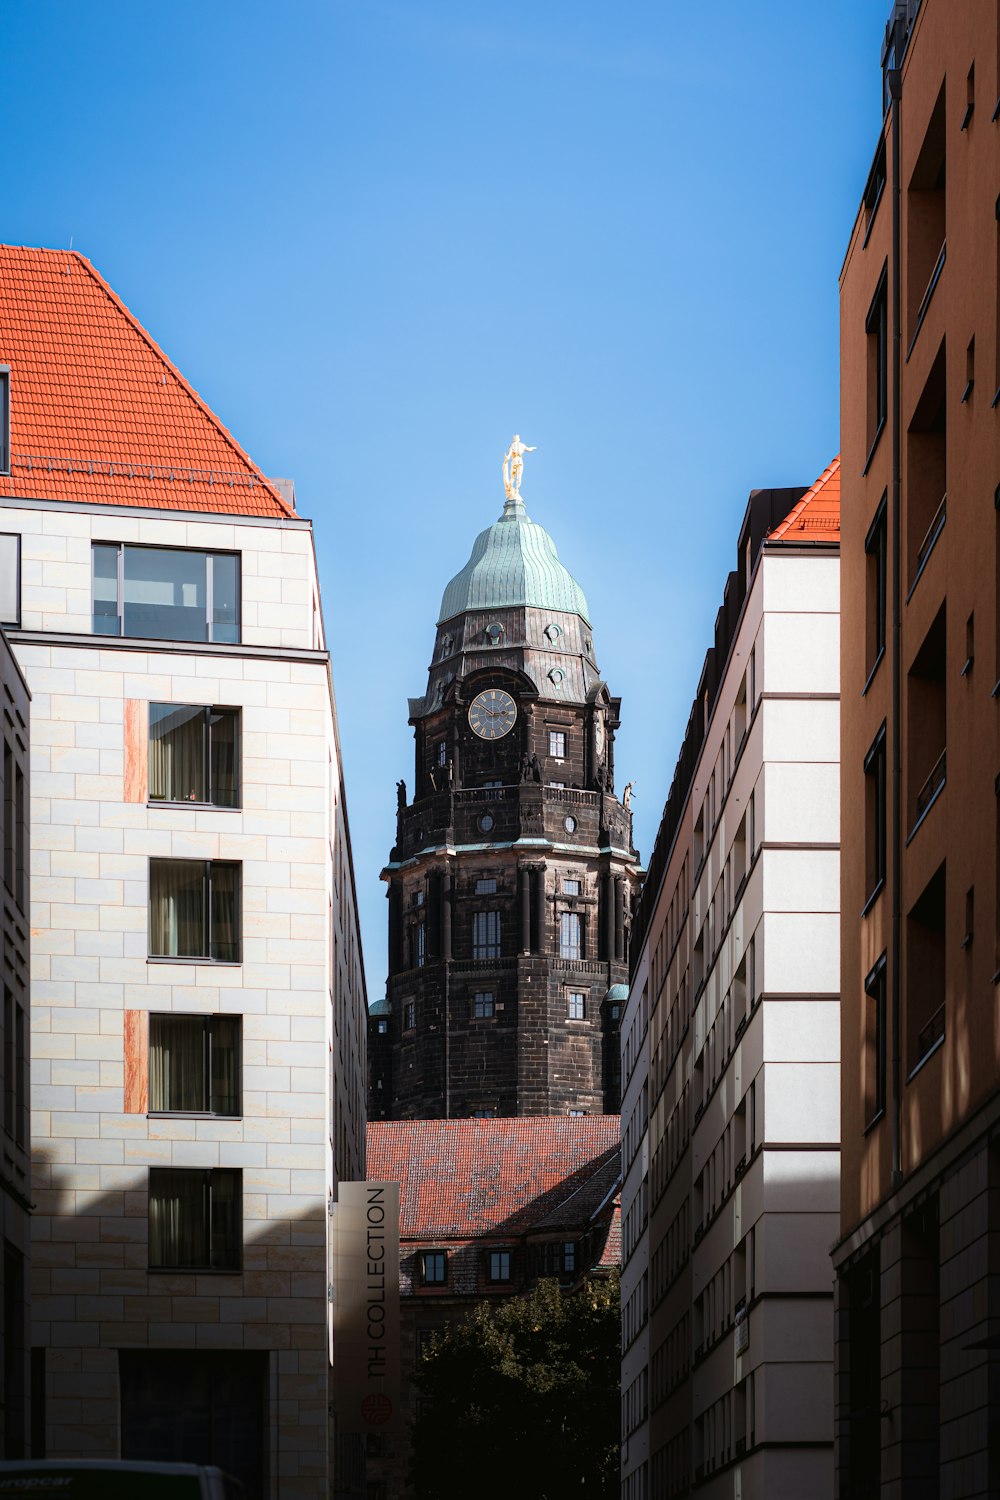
(513, 467)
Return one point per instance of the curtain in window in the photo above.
(222, 751)
(225, 935)
(225, 1065)
(177, 1046)
(177, 908)
(178, 1216)
(226, 1211)
(176, 753)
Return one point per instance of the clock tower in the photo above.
(513, 874)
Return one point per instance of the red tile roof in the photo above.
(97, 411)
(816, 517)
(463, 1178)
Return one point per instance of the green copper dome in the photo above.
(513, 562)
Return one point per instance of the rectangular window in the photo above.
(195, 1219)
(9, 1075)
(925, 971)
(166, 593)
(483, 1005)
(875, 815)
(442, 752)
(576, 1003)
(499, 1265)
(420, 944)
(569, 1256)
(570, 935)
(875, 1037)
(434, 1268)
(557, 744)
(193, 754)
(194, 909)
(410, 1016)
(486, 934)
(10, 578)
(486, 887)
(194, 1064)
(876, 553)
(571, 888)
(877, 329)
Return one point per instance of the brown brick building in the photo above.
(918, 1339)
(512, 878)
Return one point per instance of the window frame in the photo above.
(5, 454)
(208, 709)
(426, 1256)
(877, 550)
(14, 622)
(572, 997)
(875, 990)
(876, 768)
(557, 744)
(207, 1021)
(487, 946)
(203, 552)
(409, 1015)
(877, 328)
(484, 1005)
(197, 958)
(499, 1260)
(573, 951)
(207, 1268)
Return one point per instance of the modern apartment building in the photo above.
(730, 1046)
(197, 998)
(487, 1208)
(918, 1378)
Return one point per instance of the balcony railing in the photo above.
(929, 1036)
(925, 300)
(932, 786)
(930, 536)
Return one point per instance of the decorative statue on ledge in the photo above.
(401, 796)
(513, 467)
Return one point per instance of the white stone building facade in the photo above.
(731, 1048)
(197, 994)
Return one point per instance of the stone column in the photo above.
(447, 887)
(524, 885)
(608, 892)
(395, 895)
(618, 884)
(540, 923)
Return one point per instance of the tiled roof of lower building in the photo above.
(462, 1178)
(816, 517)
(98, 413)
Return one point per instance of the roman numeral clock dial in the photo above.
(492, 714)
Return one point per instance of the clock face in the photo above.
(492, 714)
(599, 733)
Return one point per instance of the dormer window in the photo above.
(495, 634)
(4, 419)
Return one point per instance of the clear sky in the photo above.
(379, 236)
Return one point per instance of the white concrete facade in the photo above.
(731, 1058)
(297, 986)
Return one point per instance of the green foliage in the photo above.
(521, 1401)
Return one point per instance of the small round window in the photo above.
(486, 823)
(495, 634)
(553, 632)
(556, 675)
(570, 825)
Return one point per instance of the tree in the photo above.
(522, 1399)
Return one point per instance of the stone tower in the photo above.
(512, 878)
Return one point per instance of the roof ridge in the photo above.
(797, 515)
(185, 385)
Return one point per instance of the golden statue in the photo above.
(513, 467)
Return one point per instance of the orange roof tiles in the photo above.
(97, 411)
(463, 1178)
(816, 517)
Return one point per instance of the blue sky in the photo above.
(379, 236)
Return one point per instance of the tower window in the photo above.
(495, 634)
(483, 1005)
(576, 1003)
(420, 945)
(486, 887)
(383, 1027)
(571, 888)
(442, 752)
(410, 1016)
(486, 934)
(570, 935)
(557, 744)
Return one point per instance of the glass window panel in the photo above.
(225, 596)
(10, 594)
(177, 908)
(225, 1211)
(570, 945)
(224, 789)
(225, 935)
(225, 1098)
(178, 1218)
(177, 1062)
(165, 594)
(176, 753)
(106, 619)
